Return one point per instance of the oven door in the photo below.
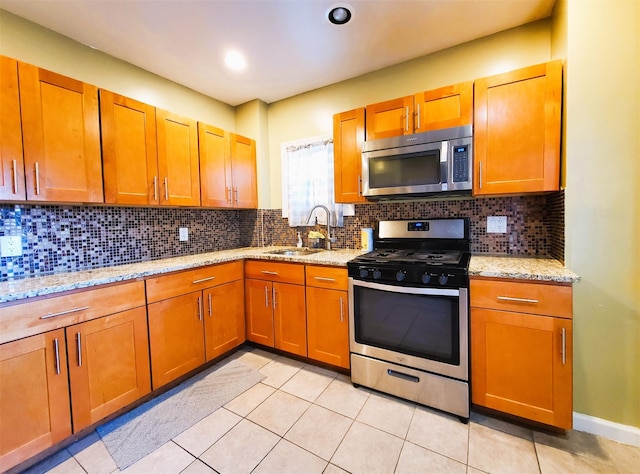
(420, 328)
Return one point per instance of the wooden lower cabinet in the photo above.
(224, 326)
(176, 337)
(521, 361)
(34, 396)
(108, 365)
(328, 326)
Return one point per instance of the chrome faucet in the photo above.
(326, 209)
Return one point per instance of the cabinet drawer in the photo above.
(327, 277)
(522, 297)
(168, 286)
(275, 271)
(26, 319)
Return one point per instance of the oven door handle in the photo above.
(414, 290)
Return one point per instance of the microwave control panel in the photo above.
(460, 163)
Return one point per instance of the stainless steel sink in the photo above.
(294, 252)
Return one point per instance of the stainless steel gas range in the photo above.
(409, 313)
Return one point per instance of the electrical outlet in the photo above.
(183, 233)
(10, 246)
(496, 224)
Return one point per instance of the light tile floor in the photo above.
(304, 419)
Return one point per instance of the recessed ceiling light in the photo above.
(339, 15)
(235, 61)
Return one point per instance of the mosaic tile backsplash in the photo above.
(58, 239)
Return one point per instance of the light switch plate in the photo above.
(496, 224)
(183, 233)
(10, 246)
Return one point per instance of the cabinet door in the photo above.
(178, 163)
(522, 364)
(258, 310)
(391, 118)
(517, 131)
(445, 107)
(11, 158)
(348, 138)
(224, 326)
(243, 171)
(328, 326)
(34, 396)
(129, 153)
(108, 365)
(176, 337)
(215, 167)
(289, 318)
(61, 133)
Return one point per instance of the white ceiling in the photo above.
(290, 45)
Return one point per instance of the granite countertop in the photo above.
(540, 269)
(521, 268)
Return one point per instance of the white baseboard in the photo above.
(615, 431)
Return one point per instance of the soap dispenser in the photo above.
(299, 240)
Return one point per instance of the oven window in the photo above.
(418, 325)
(406, 170)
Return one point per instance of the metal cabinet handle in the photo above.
(235, 190)
(166, 188)
(62, 313)
(155, 188)
(359, 185)
(266, 297)
(518, 300)
(14, 164)
(480, 174)
(200, 308)
(56, 350)
(406, 119)
(324, 279)
(273, 290)
(37, 179)
(267, 272)
(341, 311)
(201, 280)
(229, 198)
(210, 305)
(418, 114)
(79, 345)
(564, 346)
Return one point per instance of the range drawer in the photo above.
(327, 277)
(522, 297)
(26, 319)
(168, 286)
(275, 271)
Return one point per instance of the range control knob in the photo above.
(363, 272)
(426, 278)
(443, 279)
(377, 274)
(400, 275)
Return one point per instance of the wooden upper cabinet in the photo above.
(243, 171)
(445, 107)
(348, 138)
(129, 152)
(61, 137)
(215, 166)
(11, 158)
(390, 118)
(517, 131)
(178, 163)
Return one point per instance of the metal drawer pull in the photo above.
(37, 179)
(274, 297)
(62, 313)
(79, 344)
(400, 375)
(199, 308)
(341, 311)
(324, 279)
(267, 272)
(564, 346)
(15, 176)
(266, 297)
(518, 300)
(203, 279)
(56, 350)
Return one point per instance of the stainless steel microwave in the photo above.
(422, 164)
